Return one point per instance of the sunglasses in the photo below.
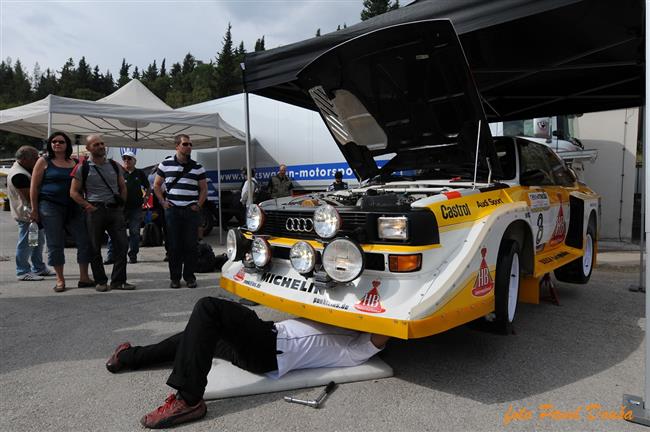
(58, 141)
(185, 144)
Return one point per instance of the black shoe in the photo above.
(166, 258)
(175, 284)
(247, 302)
(133, 260)
(191, 284)
(109, 261)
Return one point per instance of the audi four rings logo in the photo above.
(299, 224)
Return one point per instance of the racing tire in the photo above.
(506, 291)
(579, 271)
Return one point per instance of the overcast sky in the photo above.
(50, 32)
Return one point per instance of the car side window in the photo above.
(534, 166)
(562, 176)
(505, 150)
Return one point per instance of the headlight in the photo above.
(343, 260)
(254, 217)
(303, 257)
(236, 245)
(393, 228)
(326, 221)
(261, 252)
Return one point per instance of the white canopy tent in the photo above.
(130, 117)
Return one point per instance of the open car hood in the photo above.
(403, 94)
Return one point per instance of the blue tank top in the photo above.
(55, 186)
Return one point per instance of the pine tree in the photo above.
(84, 74)
(124, 73)
(163, 71)
(68, 79)
(151, 73)
(189, 62)
(372, 8)
(259, 44)
(227, 70)
(47, 84)
(36, 75)
(22, 88)
(318, 32)
(136, 73)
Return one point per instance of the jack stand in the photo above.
(636, 288)
(552, 296)
(640, 414)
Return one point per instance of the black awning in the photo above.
(530, 58)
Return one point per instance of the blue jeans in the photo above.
(133, 219)
(55, 219)
(24, 252)
(182, 239)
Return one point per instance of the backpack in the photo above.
(206, 261)
(151, 235)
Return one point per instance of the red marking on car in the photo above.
(371, 302)
(560, 227)
(484, 283)
(452, 194)
(240, 274)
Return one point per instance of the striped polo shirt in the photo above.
(186, 190)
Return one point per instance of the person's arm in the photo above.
(244, 193)
(77, 195)
(22, 183)
(147, 186)
(157, 190)
(379, 341)
(35, 186)
(203, 193)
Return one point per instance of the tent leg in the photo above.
(248, 145)
(640, 408)
(219, 191)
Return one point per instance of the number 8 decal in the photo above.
(540, 228)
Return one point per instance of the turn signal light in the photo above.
(404, 263)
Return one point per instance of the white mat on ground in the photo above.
(226, 380)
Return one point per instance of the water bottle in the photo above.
(32, 236)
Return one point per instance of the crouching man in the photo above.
(228, 330)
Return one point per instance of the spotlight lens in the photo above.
(261, 252)
(254, 217)
(302, 257)
(343, 260)
(327, 221)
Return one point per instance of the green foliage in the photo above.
(317, 32)
(259, 44)
(372, 8)
(228, 78)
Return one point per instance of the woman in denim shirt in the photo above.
(55, 210)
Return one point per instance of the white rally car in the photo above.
(456, 226)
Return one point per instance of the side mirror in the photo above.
(559, 134)
(533, 177)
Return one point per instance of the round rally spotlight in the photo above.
(261, 252)
(254, 217)
(302, 257)
(343, 260)
(327, 221)
(236, 245)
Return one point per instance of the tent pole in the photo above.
(49, 116)
(219, 188)
(638, 405)
(248, 144)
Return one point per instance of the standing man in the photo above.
(245, 187)
(280, 184)
(18, 182)
(98, 187)
(137, 192)
(338, 184)
(187, 189)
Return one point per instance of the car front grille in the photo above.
(275, 224)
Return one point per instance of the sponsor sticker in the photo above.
(488, 202)
(538, 200)
(371, 302)
(484, 282)
(240, 275)
(326, 302)
(560, 227)
(454, 211)
(298, 284)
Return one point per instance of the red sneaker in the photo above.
(172, 412)
(113, 364)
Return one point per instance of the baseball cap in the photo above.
(129, 154)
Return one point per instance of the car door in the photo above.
(543, 172)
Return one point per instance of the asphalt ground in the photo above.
(578, 356)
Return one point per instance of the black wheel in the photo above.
(506, 291)
(207, 221)
(579, 271)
